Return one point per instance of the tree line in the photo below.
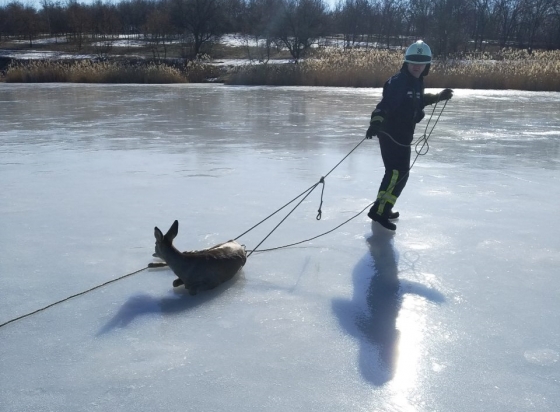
(449, 26)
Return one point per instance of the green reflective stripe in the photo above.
(387, 196)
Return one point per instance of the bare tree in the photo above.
(22, 21)
(3, 22)
(261, 17)
(388, 21)
(353, 18)
(133, 14)
(300, 25)
(78, 22)
(419, 15)
(506, 16)
(480, 21)
(157, 32)
(534, 14)
(105, 21)
(553, 26)
(202, 20)
(449, 32)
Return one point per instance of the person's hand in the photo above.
(372, 130)
(445, 94)
(374, 126)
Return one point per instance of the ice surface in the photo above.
(457, 312)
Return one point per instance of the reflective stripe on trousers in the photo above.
(385, 196)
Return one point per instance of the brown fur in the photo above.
(199, 269)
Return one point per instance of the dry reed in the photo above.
(87, 71)
(329, 67)
(507, 69)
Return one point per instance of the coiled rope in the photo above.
(420, 144)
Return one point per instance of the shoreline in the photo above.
(505, 70)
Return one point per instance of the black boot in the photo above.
(393, 215)
(382, 220)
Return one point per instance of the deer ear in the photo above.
(158, 234)
(173, 230)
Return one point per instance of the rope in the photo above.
(419, 152)
(306, 192)
(422, 139)
(71, 297)
(417, 148)
(314, 237)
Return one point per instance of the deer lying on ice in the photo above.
(200, 269)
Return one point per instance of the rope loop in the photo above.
(424, 148)
(320, 212)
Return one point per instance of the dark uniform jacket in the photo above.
(402, 105)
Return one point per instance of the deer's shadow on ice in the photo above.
(177, 301)
(371, 314)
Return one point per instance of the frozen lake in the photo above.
(458, 311)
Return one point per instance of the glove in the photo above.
(445, 94)
(373, 129)
(374, 125)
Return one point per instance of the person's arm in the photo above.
(430, 98)
(394, 92)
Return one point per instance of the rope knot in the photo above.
(320, 212)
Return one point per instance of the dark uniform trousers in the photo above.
(396, 159)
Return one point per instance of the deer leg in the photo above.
(178, 282)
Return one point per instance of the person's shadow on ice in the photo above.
(371, 315)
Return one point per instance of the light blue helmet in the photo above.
(418, 53)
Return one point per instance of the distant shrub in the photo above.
(265, 74)
(199, 71)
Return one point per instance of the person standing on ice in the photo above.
(393, 122)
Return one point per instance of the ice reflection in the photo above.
(391, 323)
(182, 117)
(87, 171)
(379, 324)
